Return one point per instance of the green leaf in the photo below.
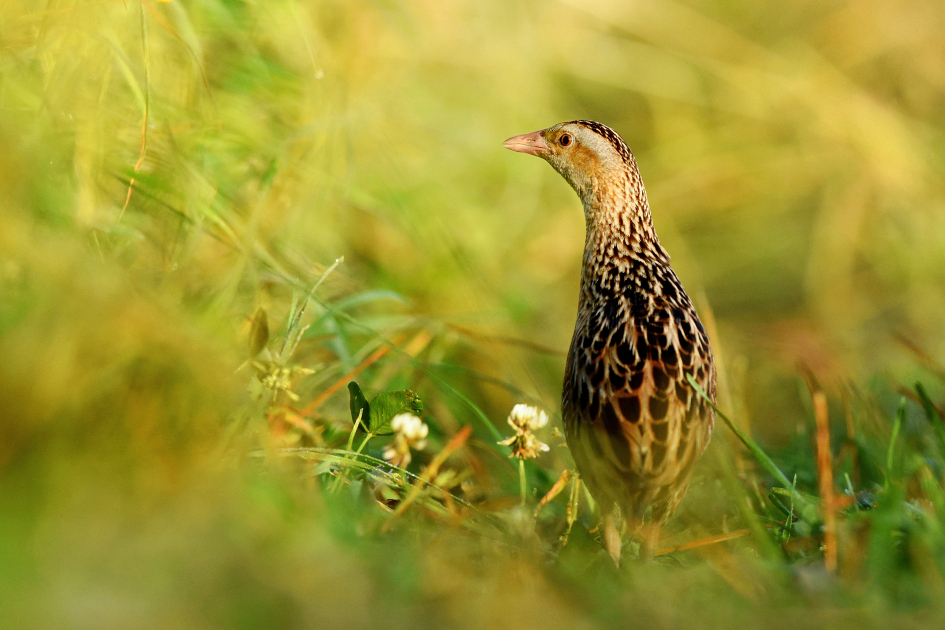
(359, 404)
(386, 405)
(377, 415)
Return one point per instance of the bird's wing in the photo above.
(629, 375)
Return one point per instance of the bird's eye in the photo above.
(564, 140)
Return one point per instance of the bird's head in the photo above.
(587, 154)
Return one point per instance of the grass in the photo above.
(216, 215)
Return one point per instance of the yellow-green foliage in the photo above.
(168, 169)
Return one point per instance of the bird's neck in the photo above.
(620, 238)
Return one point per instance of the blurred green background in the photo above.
(168, 168)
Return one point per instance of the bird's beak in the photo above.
(532, 143)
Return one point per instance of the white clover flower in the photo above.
(525, 419)
(411, 428)
(410, 433)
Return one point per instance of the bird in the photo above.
(634, 424)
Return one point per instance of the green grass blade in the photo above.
(805, 508)
(890, 454)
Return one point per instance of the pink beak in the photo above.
(531, 143)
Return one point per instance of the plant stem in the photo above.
(521, 479)
(343, 474)
(365, 441)
(354, 430)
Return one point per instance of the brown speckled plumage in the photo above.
(633, 423)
